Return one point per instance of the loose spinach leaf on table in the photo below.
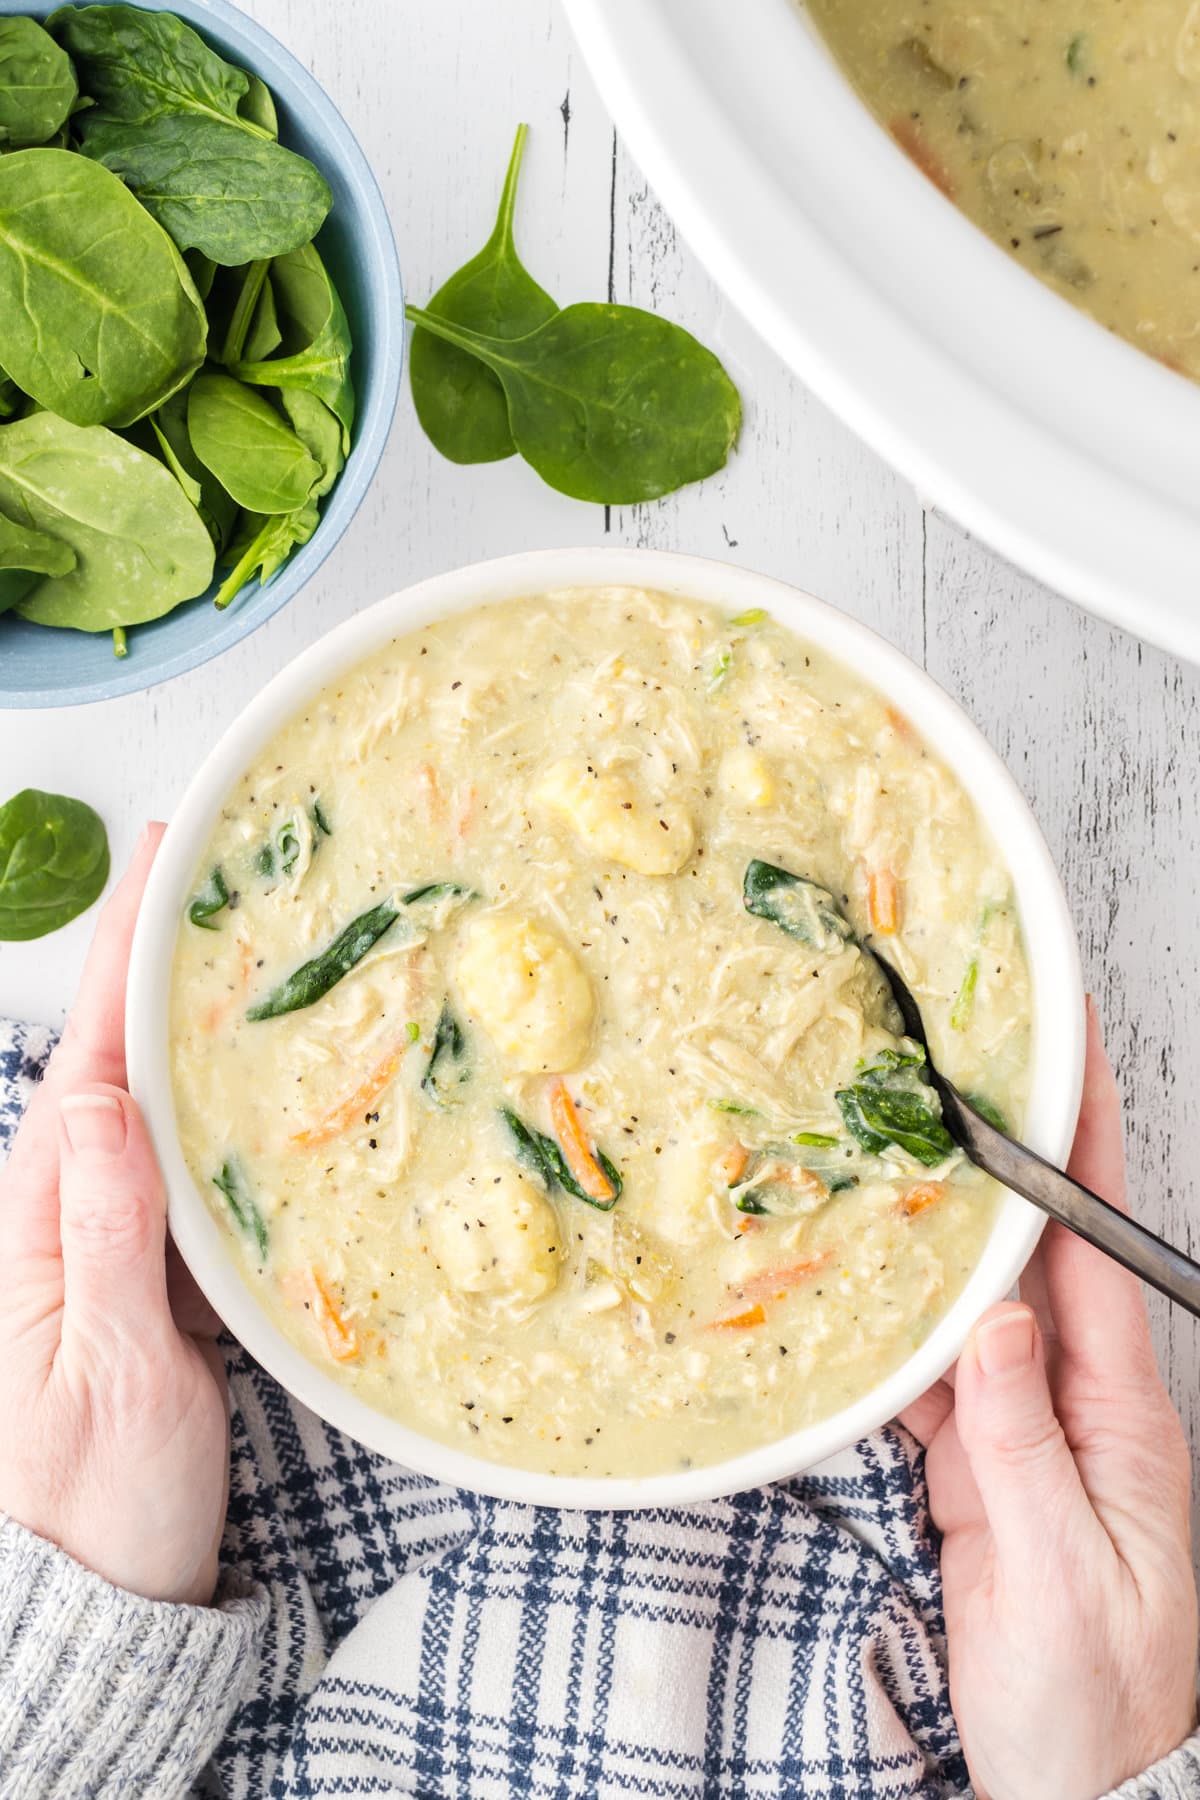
(459, 400)
(262, 545)
(316, 337)
(252, 451)
(99, 320)
(37, 84)
(25, 557)
(53, 862)
(215, 189)
(609, 403)
(141, 547)
(140, 65)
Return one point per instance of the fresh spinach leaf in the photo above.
(449, 1046)
(459, 401)
(247, 1214)
(37, 84)
(11, 397)
(140, 546)
(316, 337)
(608, 403)
(880, 1118)
(202, 270)
(257, 105)
(254, 454)
(264, 336)
(212, 899)
(262, 546)
(139, 65)
(318, 431)
(25, 557)
(252, 278)
(53, 862)
(99, 320)
(218, 509)
(313, 979)
(233, 197)
(799, 907)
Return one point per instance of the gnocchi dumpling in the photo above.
(617, 818)
(528, 991)
(745, 777)
(494, 1233)
(690, 1181)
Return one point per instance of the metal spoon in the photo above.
(1027, 1174)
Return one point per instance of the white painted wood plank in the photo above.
(1101, 733)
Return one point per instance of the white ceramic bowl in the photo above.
(1069, 451)
(1058, 1035)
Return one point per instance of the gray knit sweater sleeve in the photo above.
(103, 1693)
(1176, 1777)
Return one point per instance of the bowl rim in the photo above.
(377, 243)
(1070, 467)
(1058, 1030)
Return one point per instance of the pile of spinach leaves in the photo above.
(607, 403)
(175, 389)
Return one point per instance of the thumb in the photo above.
(112, 1219)
(1021, 1462)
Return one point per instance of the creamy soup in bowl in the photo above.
(529, 1084)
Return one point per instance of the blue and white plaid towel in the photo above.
(786, 1642)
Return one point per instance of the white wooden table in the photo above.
(1102, 733)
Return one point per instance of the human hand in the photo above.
(1059, 1475)
(113, 1429)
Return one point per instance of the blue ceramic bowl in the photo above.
(43, 667)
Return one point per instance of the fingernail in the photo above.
(94, 1124)
(1005, 1344)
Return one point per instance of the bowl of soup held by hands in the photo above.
(505, 1011)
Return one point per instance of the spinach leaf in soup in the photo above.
(212, 899)
(231, 1182)
(25, 557)
(53, 862)
(801, 908)
(888, 1108)
(99, 320)
(608, 403)
(140, 546)
(233, 197)
(261, 546)
(252, 451)
(139, 66)
(37, 84)
(459, 400)
(316, 337)
(444, 1070)
(313, 980)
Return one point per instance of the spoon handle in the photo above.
(1076, 1207)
